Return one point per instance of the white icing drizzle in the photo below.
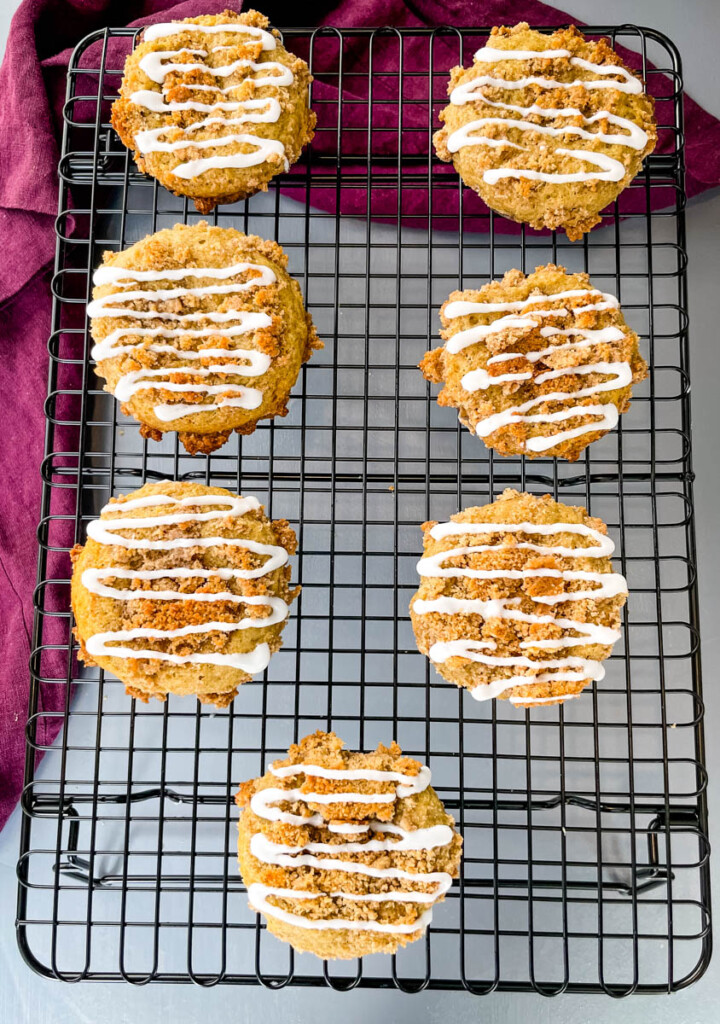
(331, 798)
(636, 137)
(263, 849)
(606, 413)
(103, 531)
(268, 852)
(480, 380)
(418, 839)
(501, 608)
(254, 363)
(462, 137)
(110, 644)
(586, 668)
(610, 584)
(158, 64)
(267, 108)
(238, 506)
(264, 149)
(634, 85)
(168, 29)
(489, 691)
(138, 380)
(152, 65)
(262, 804)
(610, 168)
(603, 548)
(491, 54)
(125, 276)
(462, 307)
(179, 410)
(472, 89)
(154, 101)
(257, 897)
(99, 308)
(132, 382)
(92, 581)
(566, 669)
(601, 336)
(399, 896)
(252, 662)
(600, 416)
(108, 348)
(149, 141)
(407, 784)
(471, 335)
(254, 105)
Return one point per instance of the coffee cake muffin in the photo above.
(536, 365)
(214, 107)
(547, 129)
(345, 853)
(518, 600)
(183, 589)
(199, 330)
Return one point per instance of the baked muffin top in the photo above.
(182, 588)
(214, 106)
(536, 365)
(518, 599)
(548, 129)
(199, 330)
(345, 853)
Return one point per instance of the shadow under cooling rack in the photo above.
(586, 857)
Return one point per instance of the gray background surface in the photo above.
(694, 25)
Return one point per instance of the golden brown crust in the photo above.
(574, 206)
(526, 338)
(293, 128)
(146, 431)
(509, 634)
(288, 341)
(148, 677)
(421, 810)
(203, 444)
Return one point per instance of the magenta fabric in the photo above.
(32, 89)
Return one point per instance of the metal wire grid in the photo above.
(585, 827)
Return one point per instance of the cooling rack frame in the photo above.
(73, 867)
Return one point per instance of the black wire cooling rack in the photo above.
(586, 857)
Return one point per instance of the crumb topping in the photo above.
(550, 634)
(214, 114)
(510, 368)
(351, 876)
(199, 353)
(252, 594)
(513, 133)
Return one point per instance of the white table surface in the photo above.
(694, 25)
